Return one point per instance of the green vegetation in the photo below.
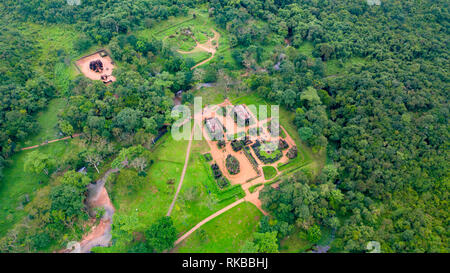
(269, 172)
(225, 233)
(362, 91)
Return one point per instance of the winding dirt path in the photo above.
(186, 161)
(208, 47)
(50, 141)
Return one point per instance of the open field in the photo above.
(47, 120)
(226, 233)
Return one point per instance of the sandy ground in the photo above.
(207, 47)
(99, 235)
(108, 67)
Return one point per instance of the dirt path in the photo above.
(207, 219)
(48, 142)
(186, 161)
(208, 47)
(100, 235)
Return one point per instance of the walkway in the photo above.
(48, 142)
(186, 161)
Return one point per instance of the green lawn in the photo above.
(306, 48)
(269, 172)
(198, 56)
(226, 233)
(214, 95)
(336, 67)
(48, 122)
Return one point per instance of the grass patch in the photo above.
(254, 187)
(47, 120)
(198, 56)
(226, 233)
(269, 172)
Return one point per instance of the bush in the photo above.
(282, 144)
(261, 151)
(292, 153)
(223, 182)
(207, 157)
(236, 145)
(216, 171)
(232, 164)
(221, 144)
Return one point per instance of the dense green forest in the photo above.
(369, 84)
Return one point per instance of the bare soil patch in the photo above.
(108, 66)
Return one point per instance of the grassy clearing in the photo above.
(47, 120)
(198, 56)
(214, 95)
(306, 49)
(17, 183)
(336, 67)
(226, 233)
(297, 242)
(269, 172)
(55, 42)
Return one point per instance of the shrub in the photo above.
(292, 153)
(236, 145)
(223, 182)
(282, 144)
(216, 171)
(207, 157)
(232, 164)
(224, 110)
(252, 160)
(262, 152)
(221, 144)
